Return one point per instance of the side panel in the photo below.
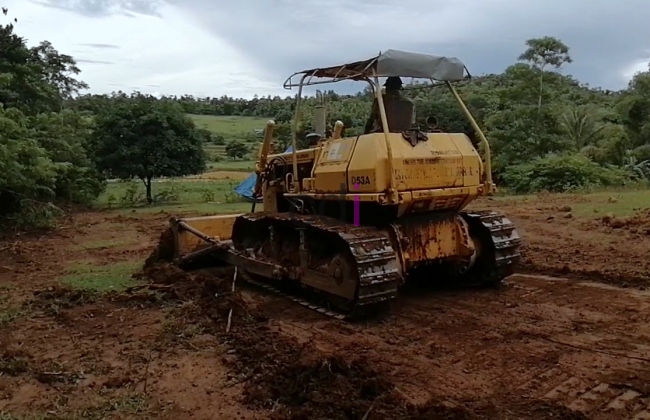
(444, 161)
(471, 160)
(331, 167)
(368, 169)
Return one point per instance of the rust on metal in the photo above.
(368, 264)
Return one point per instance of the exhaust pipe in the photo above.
(320, 115)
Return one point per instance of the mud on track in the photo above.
(536, 348)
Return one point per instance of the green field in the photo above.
(232, 165)
(229, 126)
(175, 195)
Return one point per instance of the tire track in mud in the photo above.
(597, 399)
(576, 345)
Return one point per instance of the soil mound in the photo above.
(164, 251)
(638, 224)
(210, 291)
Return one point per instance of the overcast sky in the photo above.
(246, 47)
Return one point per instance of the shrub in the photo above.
(560, 173)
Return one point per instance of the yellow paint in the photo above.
(445, 160)
(423, 239)
(329, 170)
(442, 173)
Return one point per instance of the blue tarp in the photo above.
(247, 186)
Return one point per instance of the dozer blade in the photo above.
(197, 233)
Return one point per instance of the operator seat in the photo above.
(400, 114)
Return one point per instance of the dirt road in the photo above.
(539, 347)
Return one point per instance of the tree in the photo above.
(581, 125)
(57, 69)
(26, 174)
(65, 135)
(35, 79)
(236, 149)
(145, 138)
(43, 153)
(543, 52)
(634, 108)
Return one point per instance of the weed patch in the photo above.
(103, 244)
(101, 278)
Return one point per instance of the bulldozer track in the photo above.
(318, 308)
(377, 263)
(506, 243)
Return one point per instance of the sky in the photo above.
(242, 48)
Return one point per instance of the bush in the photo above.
(642, 153)
(43, 161)
(65, 136)
(560, 173)
(236, 149)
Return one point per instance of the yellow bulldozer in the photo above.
(347, 221)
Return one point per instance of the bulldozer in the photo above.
(346, 222)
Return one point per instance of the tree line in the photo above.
(547, 130)
(58, 147)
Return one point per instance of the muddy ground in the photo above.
(573, 347)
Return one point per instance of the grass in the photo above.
(103, 244)
(211, 195)
(232, 165)
(621, 203)
(217, 153)
(8, 311)
(8, 315)
(216, 148)
(87, 275)
(229, 126)
(124, 406)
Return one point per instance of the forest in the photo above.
(59, 145)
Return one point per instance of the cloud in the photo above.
(101, 45)
(217, 47)
(286, 35)
(169, 54)
(79, 60)
(101, 8)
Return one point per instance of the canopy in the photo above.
(247, 186)
(395, 63)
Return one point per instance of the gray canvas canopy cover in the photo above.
(394, 63)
